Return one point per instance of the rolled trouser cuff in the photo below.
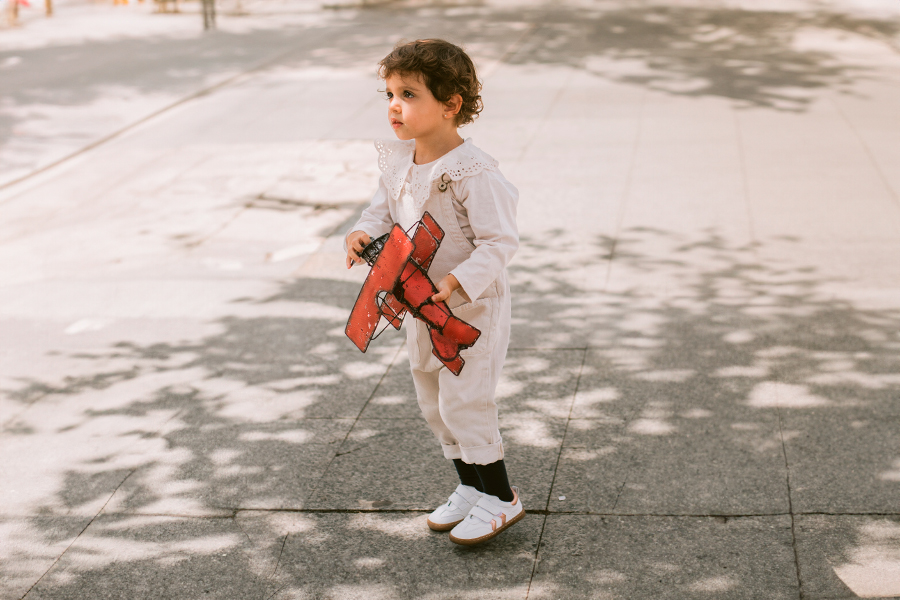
(481, 455)
(451, 451)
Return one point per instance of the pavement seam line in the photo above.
(745, 185)
(626, 191)
(537, 552)
(271, 577)
(787, 469)
(222, 227)
(628, 418)
(510, 51)
(619, 491)
(278, 561)
(355, 421)
(72, 543)
(275, 593)
(544, 119)
(562, 444)
(868, 152)
(260, 66)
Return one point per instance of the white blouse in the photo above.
(483, 200)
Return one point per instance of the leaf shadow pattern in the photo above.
(751, 57)
(695, 395)
(756, 58)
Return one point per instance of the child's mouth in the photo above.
(395, 123)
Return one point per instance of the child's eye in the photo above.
(388, 95)
(408, 94)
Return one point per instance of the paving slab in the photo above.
(326, 383)
(532, 445)
(660, 463)
(554, 299)
(810, 195)
(30, 545)
(395, 556)
(395, 397)
(647, 417)
(396, 464)
(591, 479)
(843, 462)
(654, 557)
(150, 557)
(214, 470)
(849, 556)
(75, 477)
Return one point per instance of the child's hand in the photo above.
(356, 241)
(445, 288)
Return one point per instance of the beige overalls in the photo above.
(475, 206)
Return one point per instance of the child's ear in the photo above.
(454, 104)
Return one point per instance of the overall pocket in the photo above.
(482, 315)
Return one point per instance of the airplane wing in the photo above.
(426, 238)
(379, 283)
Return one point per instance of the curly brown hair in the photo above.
(445, 68)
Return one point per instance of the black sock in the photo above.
(467, 474)
(494, 480)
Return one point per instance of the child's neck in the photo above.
(432, 147)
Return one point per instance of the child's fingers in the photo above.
(353, 257)
(360, 241)
(356, 243)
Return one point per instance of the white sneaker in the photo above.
(461, 501)
(488, 517)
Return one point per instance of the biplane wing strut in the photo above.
(399, 283)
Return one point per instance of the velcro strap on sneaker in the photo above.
(482, 514)
(457, 499)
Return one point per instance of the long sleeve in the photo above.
(490, 201)
(376, 218)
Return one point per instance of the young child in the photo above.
(432, 89)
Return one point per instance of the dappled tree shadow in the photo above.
(775, 60)
(753, 57)
(675, 386)
(655, 391)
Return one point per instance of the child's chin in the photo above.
(402, 135)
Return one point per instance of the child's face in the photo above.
(413, 111)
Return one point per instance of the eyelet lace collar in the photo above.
(395, 158)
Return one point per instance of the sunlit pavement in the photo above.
(701, 398)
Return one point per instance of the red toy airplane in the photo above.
(399, 282)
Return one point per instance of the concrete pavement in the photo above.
(701, 397)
